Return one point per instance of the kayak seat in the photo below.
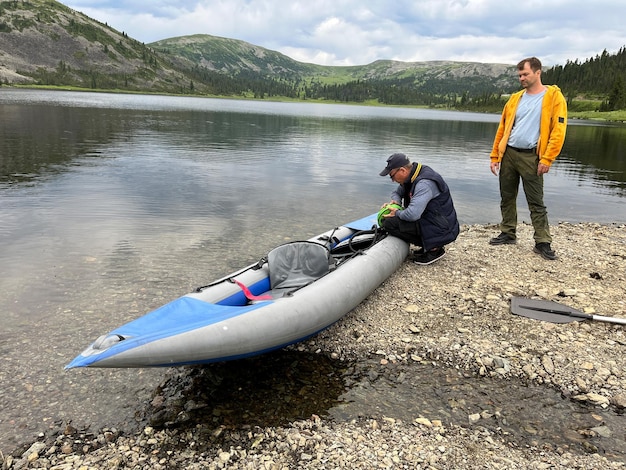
(296, 264)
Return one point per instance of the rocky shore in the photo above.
(453, 314)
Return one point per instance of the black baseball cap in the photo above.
(397, 160)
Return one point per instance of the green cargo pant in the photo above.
(516, 165)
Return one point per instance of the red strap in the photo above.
(249, 295)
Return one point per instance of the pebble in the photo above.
(548, 365)
(619, 400)
(593, 398)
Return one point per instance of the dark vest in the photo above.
(438, 224)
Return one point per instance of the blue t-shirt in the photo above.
(525, 132)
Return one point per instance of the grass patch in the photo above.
(618, 116)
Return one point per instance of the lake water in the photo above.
(111, 205)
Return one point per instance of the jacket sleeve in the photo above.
(553, 130)
(424, 191)
(398, 194)
(504, 128)
(495, 152)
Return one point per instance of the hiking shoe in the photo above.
(429, 257)
(545, 251)
(503, 239)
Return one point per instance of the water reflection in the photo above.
(38, 141)
(596, 157)
(309, 150)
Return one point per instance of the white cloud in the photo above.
(351, 32)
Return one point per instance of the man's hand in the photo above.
(495, 167)
(542, 169)
(392, 213)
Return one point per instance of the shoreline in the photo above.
(618, 116)
(454, 313)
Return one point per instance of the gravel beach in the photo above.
(453, 315)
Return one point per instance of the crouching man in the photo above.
(427, 218)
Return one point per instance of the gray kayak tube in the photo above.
(294, 292)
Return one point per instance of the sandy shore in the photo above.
(454, 313)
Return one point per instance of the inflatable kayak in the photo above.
(297, 290)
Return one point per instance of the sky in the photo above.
(358, 32)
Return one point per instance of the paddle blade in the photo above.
(546, 310)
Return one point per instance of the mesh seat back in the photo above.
(296, 264)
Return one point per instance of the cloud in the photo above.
(352, 32)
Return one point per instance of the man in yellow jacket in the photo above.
(529, 138)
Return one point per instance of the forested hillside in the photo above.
(602, 77)
(233, 66)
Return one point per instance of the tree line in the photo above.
(478, 93)
(602, 77)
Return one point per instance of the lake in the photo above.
(111, 205)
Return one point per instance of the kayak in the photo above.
(297, 290)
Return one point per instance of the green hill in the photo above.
(210, 54)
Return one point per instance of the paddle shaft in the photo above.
(620, 321)
(577, 314)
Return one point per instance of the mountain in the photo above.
(44, 42)
(231, 56)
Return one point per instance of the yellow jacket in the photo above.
(551, 129)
